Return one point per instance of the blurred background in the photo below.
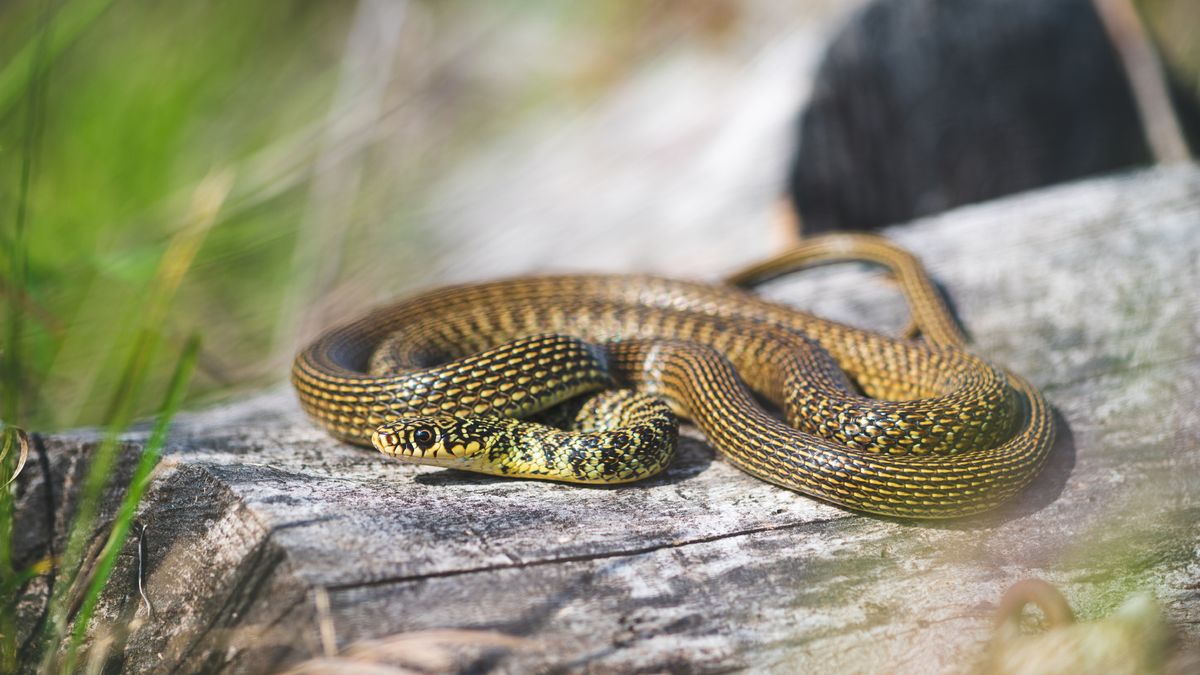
(307, 160)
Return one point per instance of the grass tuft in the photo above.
(151, 453)
(150, 316)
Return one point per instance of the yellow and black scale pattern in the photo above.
(615, 436)
(901, 427)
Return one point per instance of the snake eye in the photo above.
(423, 438)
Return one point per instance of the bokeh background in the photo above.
(325, 157)
(367, 149)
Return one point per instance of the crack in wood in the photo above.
(585, 557)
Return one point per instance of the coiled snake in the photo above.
(899, 427)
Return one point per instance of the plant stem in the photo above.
(133, 496)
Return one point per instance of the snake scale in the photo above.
(913, 428)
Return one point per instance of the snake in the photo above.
(912, 426)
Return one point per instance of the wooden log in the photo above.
(263, 532)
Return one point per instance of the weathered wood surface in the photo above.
(1090, 290)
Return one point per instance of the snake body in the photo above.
(899, 427)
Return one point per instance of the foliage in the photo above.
(220, 169)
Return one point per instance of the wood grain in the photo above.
(1087, 289)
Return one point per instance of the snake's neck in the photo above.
(601, 457)
(532, 450)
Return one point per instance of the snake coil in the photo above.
(899, 427)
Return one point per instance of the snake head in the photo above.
(439, 440)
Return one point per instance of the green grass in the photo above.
(157, 184)
(146, 101)
(142, 100)
(125, 515)
(148, 320)
(122, 127)
(171, 269)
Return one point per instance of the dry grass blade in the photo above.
(21, 439)
(396, 645)
(137, 486)
(417, 651)
(1164, 133)
(431, 650)
(341, 666)
(324, 622)
(174, 264)
(98, 653)
(207, 200)
(366, 72)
